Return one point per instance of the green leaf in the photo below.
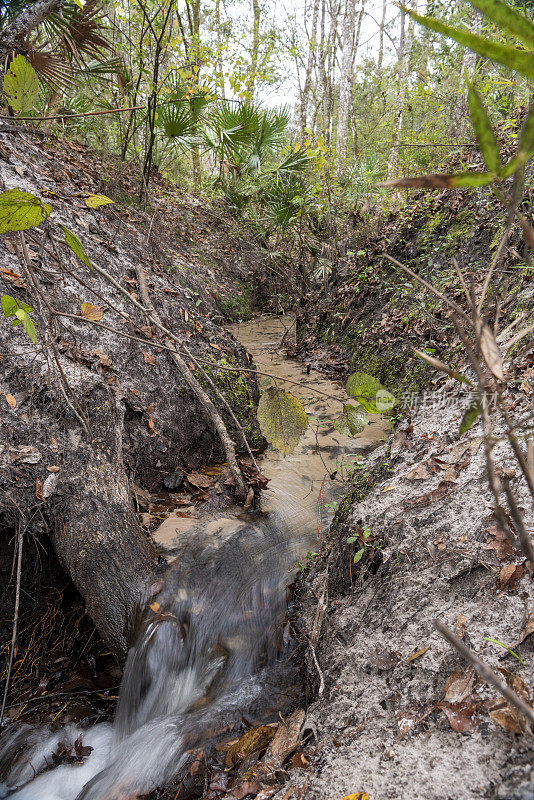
(9, 305)
(282, 419)
(97, 200)
(508, 19)
(76, 246)
(364, 389)
(21, 85)
(470, 416)
(519, 60)
(358, 555)
(21, 210)
(352, 421)
(510, 167)
(27, 321)
(487, 140)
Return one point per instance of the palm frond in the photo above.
(50, 68)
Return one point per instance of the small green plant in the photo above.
(19, 313)
(364, 537)
(308, 560)
(505, 646)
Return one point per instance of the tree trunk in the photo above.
(380, 61)
(256, 12)
(24, 23)
(345, 80)
(96, 534)
(305, 94)
(405, 47)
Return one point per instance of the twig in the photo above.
(20, 537)
(519, 524)
(485, 672)
(160, 346)
(204, 399)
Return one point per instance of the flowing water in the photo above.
(213, 645)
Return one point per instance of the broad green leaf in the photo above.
(486, 138)
(363, 388)
(76, 246)
(97, 200)
(282, 419)
(352, 421)
(9, 305)
(27, 321)
(520, 60)
(470, 416)
(21, 210)
(459, 180)
(508, 19)
(21, 85)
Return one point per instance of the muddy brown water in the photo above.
(214, 644)
(304, 486)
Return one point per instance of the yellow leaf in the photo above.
(252, 740)
(97, 200)
(357, 796)
(11, 400)
(89, 311)
(418, 654)
(282, 419)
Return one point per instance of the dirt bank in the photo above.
(396, 712)
(89, 410)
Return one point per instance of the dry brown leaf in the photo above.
(286, 738)
(462, 716)
(384, 659)
(491, 352)
(459, 685)
(527, 629)
(105, 360)
(251, 741)
(419, 473)
(509, 575)
(461, 624)
(54, 445)
(53, 468)
(417, 654)
(91, 312)
(148, 357)
(509, 718)
(430, 497)
(10, 400)
(39, 489)
(199, 480)
(450, 474)
(244, 789)
(300, 761)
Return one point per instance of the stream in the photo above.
(214, 644)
